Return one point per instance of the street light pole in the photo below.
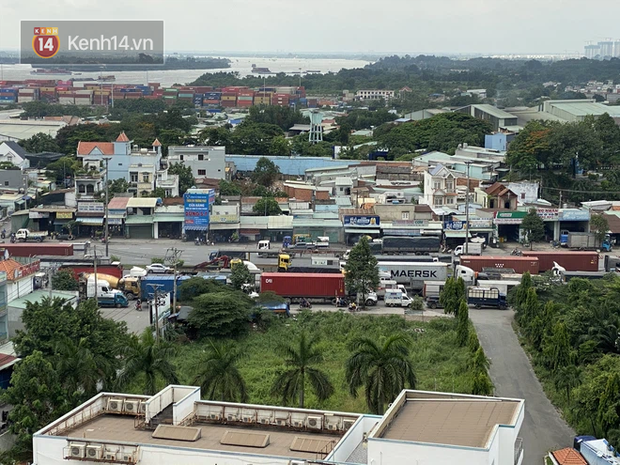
(105, 208)
(467, 211)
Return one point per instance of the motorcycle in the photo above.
(139, 305)
(340, 302)
(353, 307)
(304, 304)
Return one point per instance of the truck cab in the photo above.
(284, 262)
(468, 275)
(115, 299)
(286, 242)
(265, 244)
(24, 235)
(486, 297)
(130, 286)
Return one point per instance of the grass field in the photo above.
(438, 362)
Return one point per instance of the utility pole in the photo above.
(560, 203)
(175, 256)
(155, 288)
(105, 208)
(95, 269)
(467, 211)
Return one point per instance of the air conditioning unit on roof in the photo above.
(115, 405)
(94, 452)
(131, 406)
(77, 450)
(346, 424)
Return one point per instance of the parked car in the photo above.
(303, 246)
(157, 268)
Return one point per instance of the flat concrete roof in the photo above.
(451, 421)
(117, 428)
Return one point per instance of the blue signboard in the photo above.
(574, 215)
(362, 221)
(196, 207)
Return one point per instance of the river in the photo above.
(242, 65)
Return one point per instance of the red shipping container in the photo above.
(571, 261)
(309, 285)
(111, 270)
(27, 250)
(519, 264)
(211, 102)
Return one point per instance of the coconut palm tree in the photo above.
(146, 358)
(217, 373)
(300, 359)
(80, 370)
(384, 369)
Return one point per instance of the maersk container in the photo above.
(570, 261)
(296, 286)
(519, 264)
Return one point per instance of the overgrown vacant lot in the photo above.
(439, 363)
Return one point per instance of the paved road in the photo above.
(136, 321)
(543, 429)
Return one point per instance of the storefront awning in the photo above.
(168, 218)
(90, 221)
(362, 231)
(224, 226)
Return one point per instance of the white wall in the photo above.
(386, 452)
(184, 407)
(352, 438)
(18, 289)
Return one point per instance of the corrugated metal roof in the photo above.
(142, 202)
(119, 203)
(493, 111)
(280, 222)
(254, 222)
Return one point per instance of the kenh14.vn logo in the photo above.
(45, 42)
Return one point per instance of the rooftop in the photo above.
(36, 296)
(568, 456)
(86, 148)
(450, 419)
(493, 111)
(281, 441)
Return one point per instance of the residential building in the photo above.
(483, 168)
(527, 192)
(224, 221)
(496, 117)
(139, 223)
(439, 187)
(138, 166)
(12, 152)
(89, 185)
(177, 427)
(374, 94)
(479, 93)
(567, 456)
(592, 51)
(205, 161)
(501, 197)
(13, 180)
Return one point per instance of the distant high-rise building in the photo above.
(617, 48)
(592, 51)
(607, 48)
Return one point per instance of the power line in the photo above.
(578, 191)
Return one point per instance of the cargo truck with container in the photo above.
(571, 261)
(473, 248)
(38, 250)
(309, 286)
(518, 264)
(486, 297)
(413, 274)
(410, 244)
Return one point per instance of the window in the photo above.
(201, 157)
(436, 185)
(133, 177)
(404, 216)
(202, 172)
(438, 201)
(449, 185)
(181, 157)
(81, 189)
(145, 177)
(6, 183)
(449, 200)
(522, 195)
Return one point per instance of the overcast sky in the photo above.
(391, 26)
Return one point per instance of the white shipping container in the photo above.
(22, 99)
(82, 101)
(66, 100)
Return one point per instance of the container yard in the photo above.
(99, 93)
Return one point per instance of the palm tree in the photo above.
(217, 373)
(80, 370)
(300, 359)
(384, 369)
(148, 358)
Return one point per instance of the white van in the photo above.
(396, 298)
(265, 244)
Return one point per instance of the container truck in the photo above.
(486, 297)
(409, 244)
(413, 274)
(102, 291)
(587, 241)
(310, 286)
(611, 263)
(518, 264)
(571, 261)
(78, 269)
(25, 235)
(32, 250)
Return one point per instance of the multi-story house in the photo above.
(205, 161)
(374, 94)
(439, 187)
(12, 152)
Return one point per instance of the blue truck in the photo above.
(279, 308)
(486, 297)
(116, 299)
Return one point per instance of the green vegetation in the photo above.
(571, 332)
(452, 294)
(533, 226)
(362, 274)
(186, 178)
(438, 362)
(267, 206)
(217, 373)
(64, 280)
(599, 226)
(240, 276)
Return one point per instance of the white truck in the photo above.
(473, 248)
(387, 284)
(265, 244)
(27, 235)
(396, 298)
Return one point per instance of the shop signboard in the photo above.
(510, 217)
(574, 215)
(548, 214)
(370, 221)
(196, 208)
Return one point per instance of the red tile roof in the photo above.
(85, 148)
(9, 267)
(7, 360)
(156, 143)
(122, 137)
(569, 456)
(118, 203)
